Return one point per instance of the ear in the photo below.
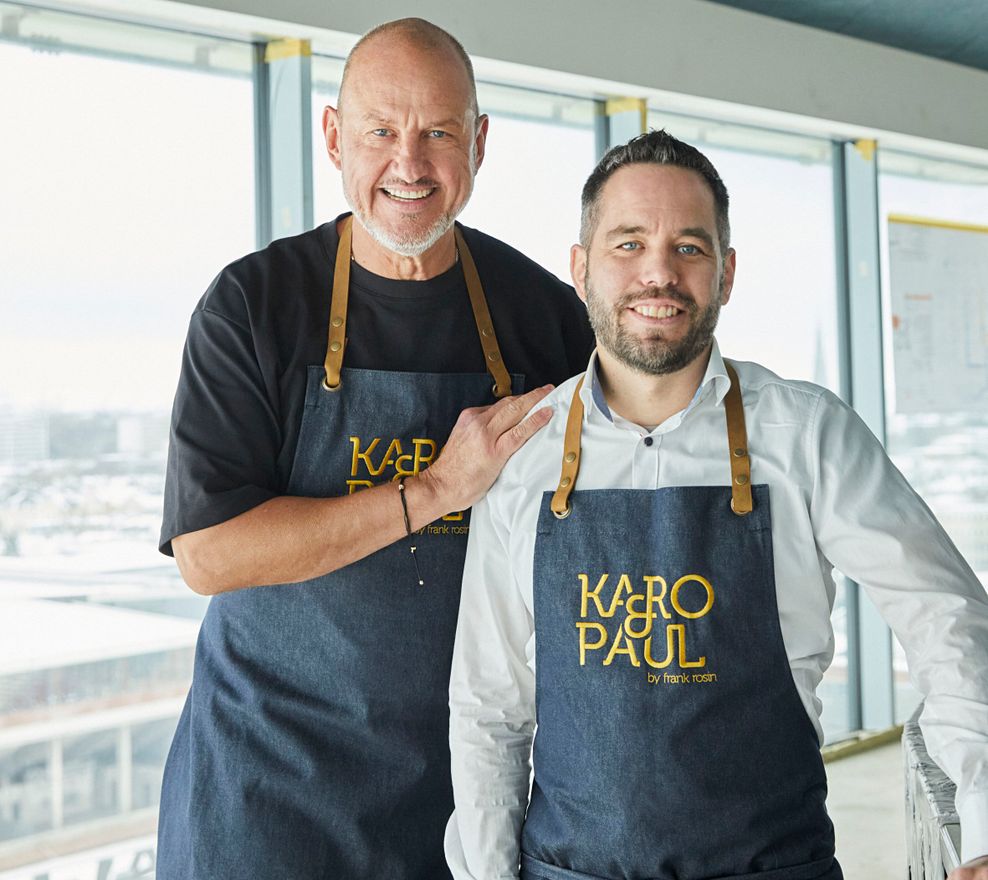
(578, 269)
(730, 264)
(332, 132)
(480, 142)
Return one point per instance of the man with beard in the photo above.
(322, 377)
(656, 590)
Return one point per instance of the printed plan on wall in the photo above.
(939, 289)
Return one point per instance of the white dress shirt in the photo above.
(837, 502)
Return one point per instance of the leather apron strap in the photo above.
(338, 308)
(485, 327)
(478, 303)
(737, 441)
(571, 456)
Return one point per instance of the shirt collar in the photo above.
(715, 375)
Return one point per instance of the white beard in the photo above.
(411, 245)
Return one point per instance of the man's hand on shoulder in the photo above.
(274, 542)
(975, 869)
(482, 441)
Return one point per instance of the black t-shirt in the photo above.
(238, 407)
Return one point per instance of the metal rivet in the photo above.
(337, 322)
(565, 482)
(741, 479)
(334, 346)
(739, 453)
(570, 457)
(739, 512)
(486, 331)
(564, 514)
(492, 356)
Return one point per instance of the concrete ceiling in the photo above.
(952, 30)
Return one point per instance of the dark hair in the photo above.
(659, 148)
(423, 34)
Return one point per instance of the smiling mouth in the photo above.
(656, 311)
(400, 194)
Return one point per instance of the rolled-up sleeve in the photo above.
(492, 707)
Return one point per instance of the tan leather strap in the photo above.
(571, 456)
(478, 303)
(485, 327)
(737, 441)
(338, 307)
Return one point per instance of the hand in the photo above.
(483, 439)
(975, 869)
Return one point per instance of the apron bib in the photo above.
(671, 741)
(314, 742)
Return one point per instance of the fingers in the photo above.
(507, 413)
(482, 440)
(511, 441)
(975, 869)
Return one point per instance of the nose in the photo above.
(410, 161)
(658, 268)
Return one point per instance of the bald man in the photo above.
(346, 396)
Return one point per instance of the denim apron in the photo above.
(314, 741)
(671, 741)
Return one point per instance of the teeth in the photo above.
(409, 195)
(656, 311)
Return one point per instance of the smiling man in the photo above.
(650, 579)
(319, 457)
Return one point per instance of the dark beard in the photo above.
(652, 356)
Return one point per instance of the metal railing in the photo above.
(933, 831)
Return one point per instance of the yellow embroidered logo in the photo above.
(374, 459)
(652, 624)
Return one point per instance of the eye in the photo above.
(629, 246)
(689, 250)
(380, 132)
(438, 134)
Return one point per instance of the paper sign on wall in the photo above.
(939, 291)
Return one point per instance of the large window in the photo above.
(942, 453)
(540, 149)
(327, 184)
(127, 163)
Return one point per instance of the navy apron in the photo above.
(314, 741)
(671, 741)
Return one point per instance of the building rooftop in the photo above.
(42, 634)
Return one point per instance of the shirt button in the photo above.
(648, 441)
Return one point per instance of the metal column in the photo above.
(283, 138)
(870, 682)
(618, 121)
